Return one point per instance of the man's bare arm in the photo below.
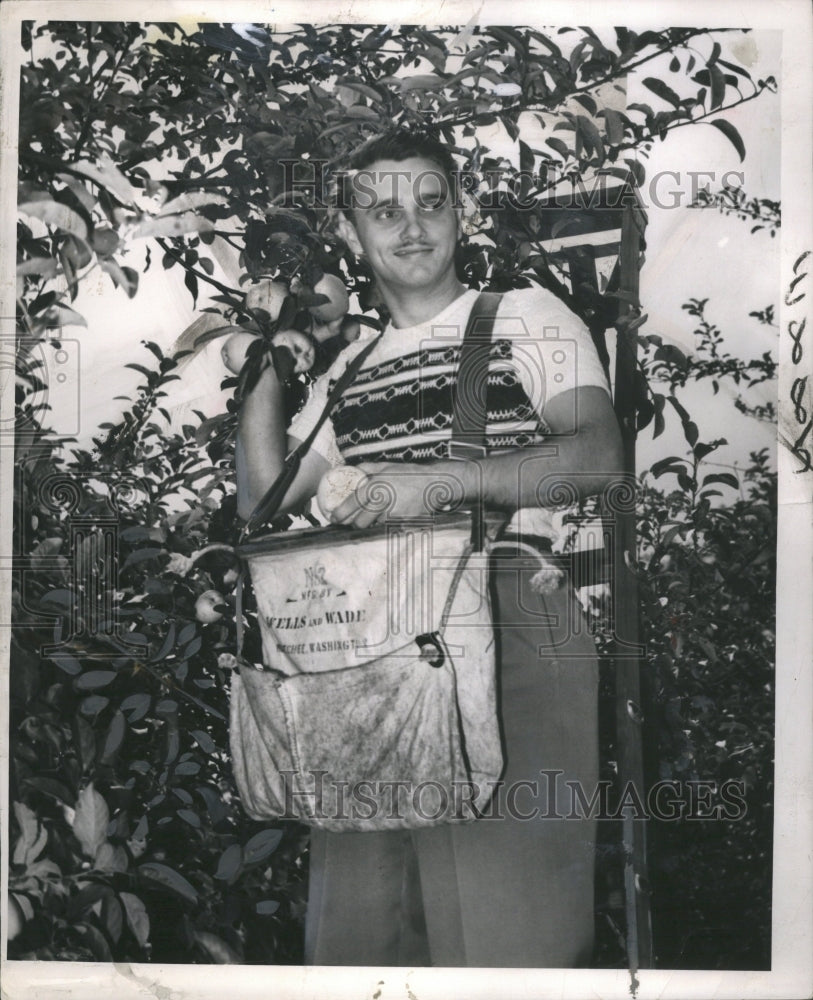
(578, 460)
(261, 447)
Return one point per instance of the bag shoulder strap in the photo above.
(469, 405)
(468, 440)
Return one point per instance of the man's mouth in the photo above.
(413, 249)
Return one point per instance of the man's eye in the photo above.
(387, 213)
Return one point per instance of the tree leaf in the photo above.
(685, 481)
(216, 948)
(84, 740)
(703, 449)
(670, 535)
(131, 277)
(68, 316)
(111, 858)
(94, 704)
(89, 894)
(186, 633)
(230, 863)
(140, 555)
(167, 877)
(614, 126)
(717, 86)
(65, 598)
(171, 225)
(191, 282)
(95, 940)
(122, 277)
(114, 738)
(590, 136)
(112, 917)
(90, 820)
(205, 741)
(418, 82)
(360, 88)
(526, 157)
(215, 805)
(556, 144)
(663, 90)
(32, 839)
(727, 478)
(191, 200)
(54, 213)
(95, 679)
(45, 266)
(192, 647)
(261, 845)
(67, 663)
(167, 645)
(137, 918)
(638, 171)
(671, 464)
(266, 907)
(136, 706)
(107, 175)
(735, 69)
(732, 134)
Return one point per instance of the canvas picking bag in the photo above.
(377, 705)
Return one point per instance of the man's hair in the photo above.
(397, 145)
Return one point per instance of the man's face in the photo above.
(405, 223)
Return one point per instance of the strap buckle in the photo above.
(465, 451)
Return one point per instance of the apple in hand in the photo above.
(336, 486)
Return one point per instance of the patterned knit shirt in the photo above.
(399, 407)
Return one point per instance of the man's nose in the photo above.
(413, 228)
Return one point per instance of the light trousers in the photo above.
(514, 888)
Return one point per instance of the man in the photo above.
(515, 890)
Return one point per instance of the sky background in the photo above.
(691, 253)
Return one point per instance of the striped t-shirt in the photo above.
(399, 407)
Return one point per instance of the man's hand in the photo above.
(394, 490)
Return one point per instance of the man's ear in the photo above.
(347, 231)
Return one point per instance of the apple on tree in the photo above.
(267, 295)
(297, 343)
(338, 304)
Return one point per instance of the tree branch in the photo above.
(192, 270)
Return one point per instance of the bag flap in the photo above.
(324, 607)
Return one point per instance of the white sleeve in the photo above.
(303, 423)
(552, 348)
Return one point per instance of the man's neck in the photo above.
(409, 307)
